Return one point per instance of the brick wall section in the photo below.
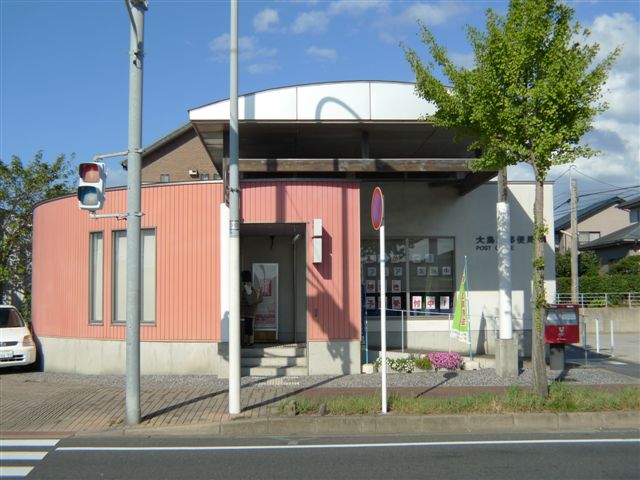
(176, 158)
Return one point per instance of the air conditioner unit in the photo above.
(193, 173)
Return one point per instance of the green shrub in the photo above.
(603, 284)
(423, 363)
(626, 266)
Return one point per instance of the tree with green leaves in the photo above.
(531, 95)
(588, 264)
(22, 187)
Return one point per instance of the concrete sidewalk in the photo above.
(41, 403)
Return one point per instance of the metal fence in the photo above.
(594, 300)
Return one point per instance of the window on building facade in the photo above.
(204, 176)
(96, 277)
(420, 276)
(164, 178)
(586, 237)
(147, 277)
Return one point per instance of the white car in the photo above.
(17, 347)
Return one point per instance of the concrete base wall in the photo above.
(334, 357)
(483, 342)
(625, 319)
(107, 357)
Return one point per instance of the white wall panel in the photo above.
(334, 101)
(397, 101)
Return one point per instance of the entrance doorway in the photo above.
(275, 254)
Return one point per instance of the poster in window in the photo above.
(433, 271)
(371, 303)
(371, 286)
(429, 258)
(265, 277)
(371, 258)
(397, 271)
(396, 286)
(430, 302)
(421, 271)
(444, 303)
(446, 271)
(396, 258)
(371, 271)
(416, 302)
(396, 302)
(415, 258)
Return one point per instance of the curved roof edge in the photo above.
(361, 100)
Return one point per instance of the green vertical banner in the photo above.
(460, 326)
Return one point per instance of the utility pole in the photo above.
(234, 223)
(507, 349)
(574, 241)
(136, 9)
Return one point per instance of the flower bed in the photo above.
(448, 360)
(431, 361)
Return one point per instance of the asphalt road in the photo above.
(622, 365)
(611, 455)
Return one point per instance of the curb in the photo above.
(392, 424)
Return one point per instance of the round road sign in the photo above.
(377, 208)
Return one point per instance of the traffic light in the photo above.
(91, 185)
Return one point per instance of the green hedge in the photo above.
(601, 284)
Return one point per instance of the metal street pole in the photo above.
(234, 223)
(136, 9)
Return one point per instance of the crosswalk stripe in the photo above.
(29, 442)
(6, 472)
(16, 455)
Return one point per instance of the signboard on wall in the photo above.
(265, 277)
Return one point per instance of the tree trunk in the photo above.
(538, 301)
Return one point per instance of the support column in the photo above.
(507, 345)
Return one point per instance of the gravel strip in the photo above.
(476, 378)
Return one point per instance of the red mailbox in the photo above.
(561, 324)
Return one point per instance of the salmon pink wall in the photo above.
(333, 286)
(185, 217)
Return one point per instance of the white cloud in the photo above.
(248, 48)
(310, 22)
(462, 59)
(266, 20)
(322, 53)
(616, 132)
(429, 13)
(260, 68)
(356, 7)
(390, 39)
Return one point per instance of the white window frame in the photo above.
(148, 269)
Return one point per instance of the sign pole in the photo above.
(377, 219)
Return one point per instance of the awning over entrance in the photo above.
(347, 129)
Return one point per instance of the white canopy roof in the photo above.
(344, 101)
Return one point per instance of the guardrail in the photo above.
(595, 300)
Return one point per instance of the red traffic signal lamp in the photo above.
(91, 185)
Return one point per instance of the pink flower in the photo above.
(448, 360)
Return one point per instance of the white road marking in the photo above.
(6, 455)
(14, 471)
(29, 442)
(347, 445)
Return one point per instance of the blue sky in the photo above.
(64, 67)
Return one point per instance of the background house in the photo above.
(594, 221)
(621, 243)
